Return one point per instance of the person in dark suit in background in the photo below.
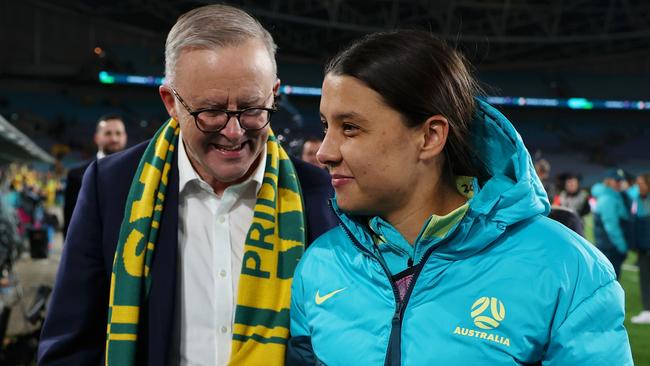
(568, 218)
(309, 149)
(110, 137)
(223, 211)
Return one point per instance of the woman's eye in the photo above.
(349, 127)
(324, 126)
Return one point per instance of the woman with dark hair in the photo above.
(443, 254)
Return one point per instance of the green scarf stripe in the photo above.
(265, 317)
(265, 216)
(287, 262)
(292, 232)
(120, 353)
(124, 328)
(267, 202)
(262, 319)
(259, 339)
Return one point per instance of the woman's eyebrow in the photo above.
(348, 115)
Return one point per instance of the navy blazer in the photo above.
(72, 187)
(74, 332)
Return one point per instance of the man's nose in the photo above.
(232, 129)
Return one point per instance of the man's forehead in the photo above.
(110, 124)
(113, 121)
(239, 96)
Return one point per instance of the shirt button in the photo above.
(223, 273)
(221, 219)
(224, 329)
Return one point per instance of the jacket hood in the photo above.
(511, 192)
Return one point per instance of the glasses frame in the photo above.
(229, 113)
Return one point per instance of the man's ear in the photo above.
(276, 88)
(168, 100)
(434, 136)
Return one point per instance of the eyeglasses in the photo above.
(210, 120)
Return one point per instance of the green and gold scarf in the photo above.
(274, 244)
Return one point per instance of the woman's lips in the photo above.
(339, 180)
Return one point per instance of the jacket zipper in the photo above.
(394, 356)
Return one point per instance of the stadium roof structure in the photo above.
(15, 146)
(493, 33)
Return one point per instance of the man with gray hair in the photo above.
(184, 247)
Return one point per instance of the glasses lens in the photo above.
(249, 119)
(212, 120)
(254, 118)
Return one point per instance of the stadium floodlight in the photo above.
(106, 77)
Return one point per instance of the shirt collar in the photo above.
(434, 227)
(187, 174)
(100, 154)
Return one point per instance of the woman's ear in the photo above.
(435, 130)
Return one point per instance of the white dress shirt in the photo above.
(211, 234)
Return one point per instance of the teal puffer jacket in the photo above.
(507, 286)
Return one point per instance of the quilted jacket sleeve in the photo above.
(593, 332)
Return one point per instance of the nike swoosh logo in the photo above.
(321, 299)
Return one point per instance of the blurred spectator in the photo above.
(30, 201)
(572, 196)
(52, 185)
(641, 211)
(309, 150)
(627, 183)
(543, 169)
(612, 218)
(24, 214)
(110, 137)
(9, 238)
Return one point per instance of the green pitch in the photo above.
(639, 333)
